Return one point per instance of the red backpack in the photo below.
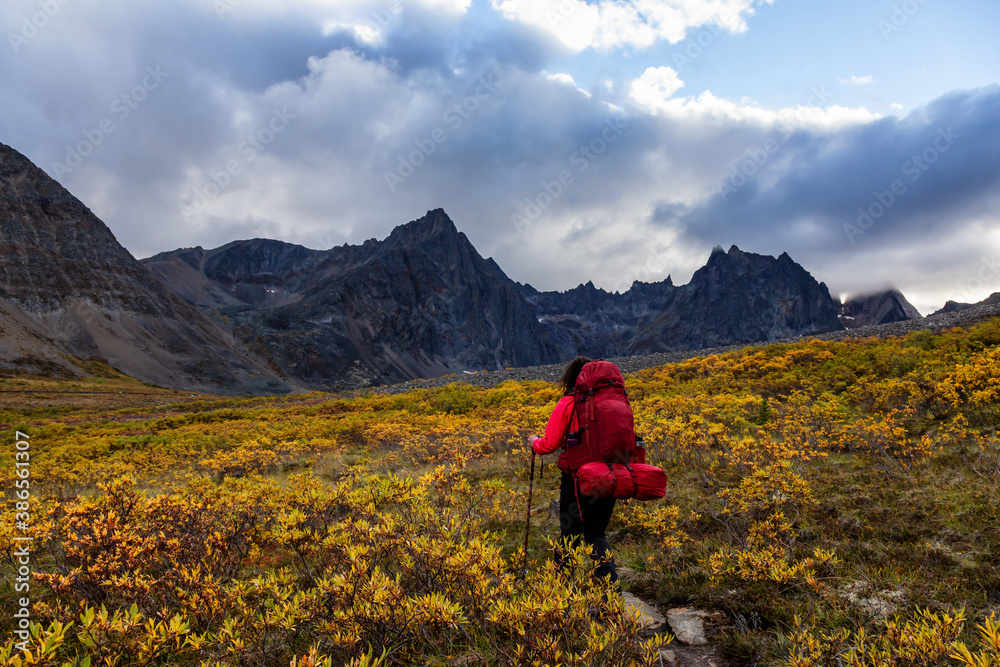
(602, 452)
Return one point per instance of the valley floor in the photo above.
(830, 502)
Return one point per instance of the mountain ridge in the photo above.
(424, 302)
(71, 293)
(264, 315)
(735, 297)
(953, 306)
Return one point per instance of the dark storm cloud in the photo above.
(86, 49)
(75, 74)
(421, 39)
(907, 176)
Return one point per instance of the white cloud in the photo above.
(656, 86)
(450, 5)
(365, 19)
(364, 33)
(654, 92)
(609, 24)
(369, 8)
(566, 80)
(865, 80)
(561, 77)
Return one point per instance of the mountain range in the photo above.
(264, 316)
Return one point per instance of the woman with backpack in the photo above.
(580, 516)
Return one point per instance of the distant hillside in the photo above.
(954, 306)
(70, 291)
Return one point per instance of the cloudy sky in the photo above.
(610, 140)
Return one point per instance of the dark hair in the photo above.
(568, 379)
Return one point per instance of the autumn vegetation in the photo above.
(836, 502)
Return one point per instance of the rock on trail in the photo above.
(688, 625)
(651, 620)
(691, 647)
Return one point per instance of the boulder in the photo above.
(688, 625)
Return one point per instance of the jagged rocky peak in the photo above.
(193, 257)
(743, 297)
(736, 263)
(736, 297)
(434, 224)
(877, 308)
(651, 291)
(435, 239)
(719, 251)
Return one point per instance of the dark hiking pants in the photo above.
(596, 515)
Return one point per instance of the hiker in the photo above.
(579, 515)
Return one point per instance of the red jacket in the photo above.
(560, 423)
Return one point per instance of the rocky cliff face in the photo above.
(71, 290)
(54, 248)
(736, 297)
(740, 297)
(589, 320)
(421, 303)
(879, 308)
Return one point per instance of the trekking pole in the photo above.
(527, 521)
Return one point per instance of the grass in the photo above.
(913, 526)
